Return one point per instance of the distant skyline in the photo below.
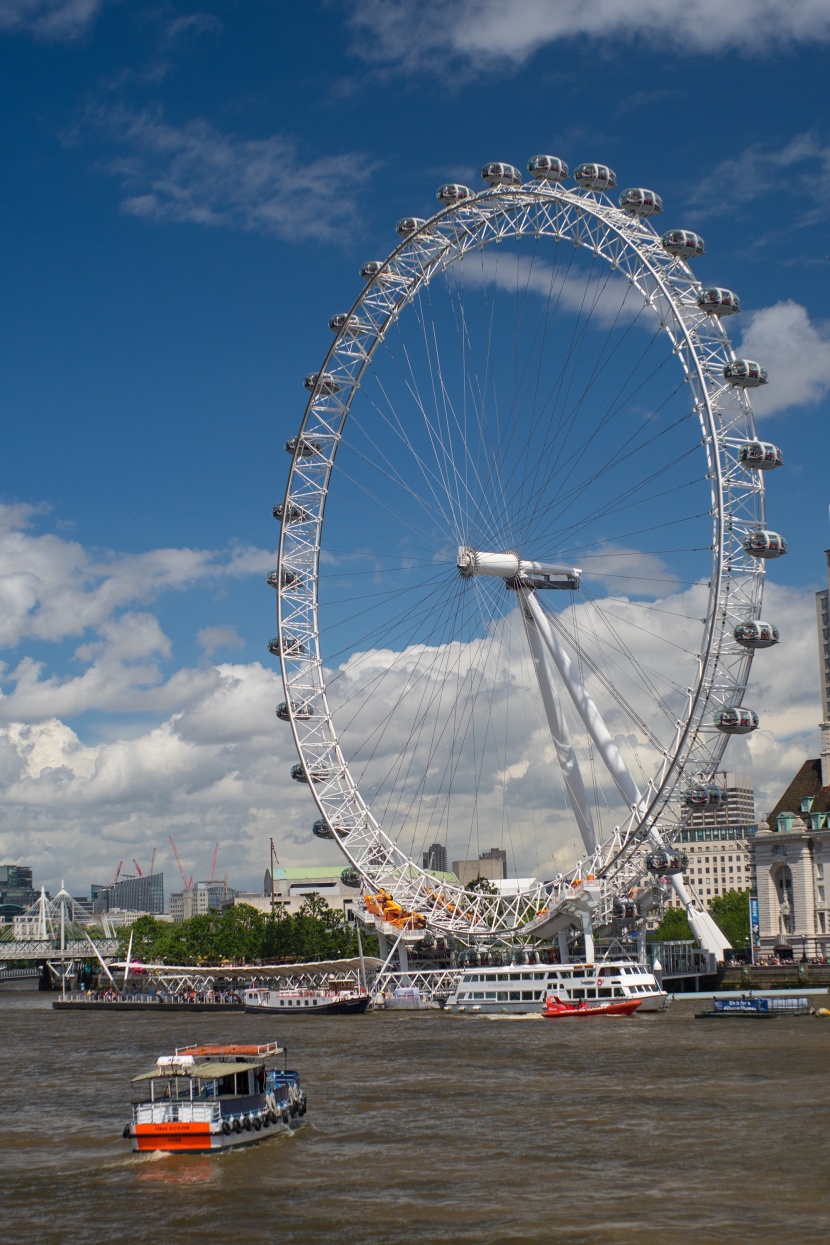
(190, 192)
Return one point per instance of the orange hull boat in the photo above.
(555, 1009)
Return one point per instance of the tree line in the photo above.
(245, 936)
(729, 911)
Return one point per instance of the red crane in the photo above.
(137, 867)
(213, 864)
(187, 885)
(117, 873)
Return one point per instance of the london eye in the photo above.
(522, 551)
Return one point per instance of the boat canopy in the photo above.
(211, 1071)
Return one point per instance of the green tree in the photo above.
(145, 934)
(730, 912)
(239, 933)
(481, 886)
(674, 927)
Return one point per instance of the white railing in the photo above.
(431, 983)
(177, 1112)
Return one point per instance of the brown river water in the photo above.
(425, 1127)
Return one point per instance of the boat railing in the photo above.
(176, 1112)
(107, 996)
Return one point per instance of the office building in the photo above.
(134, 894)
(435, 858)
(16, 886)
(491, 865)
(200, 898)
(718, 841)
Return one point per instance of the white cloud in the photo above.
(489, 33)
(746, 175)
(193, 23)
(52, 588)
(213, 638)
(609, 298)
(194, 173)
(795, 351)
(213, 762)
(49, 19)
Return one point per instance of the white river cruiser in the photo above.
(214, 1097)
(525, 987)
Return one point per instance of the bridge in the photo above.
(40, 950)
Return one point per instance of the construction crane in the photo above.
(117, 873)
(212, 877)
(187, 884)
(137, 867)
(152, 860)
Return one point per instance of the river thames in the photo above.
(425, 1127)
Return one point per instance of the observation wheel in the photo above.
(521, 555)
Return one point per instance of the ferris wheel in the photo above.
(522, 550)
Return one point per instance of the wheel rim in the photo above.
(451, 257)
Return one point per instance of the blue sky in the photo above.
(190, 192)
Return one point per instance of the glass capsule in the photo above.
(756, 635)
(640, 202)
(736, 720)
(409, 225)
(498, 174)
(302, 447)
(595, 177)
(683, 244)
(763, 544)
(760, 455)
(290, 513)
(718, 302)
(745, 373)
(321, 382)
(547, 168)
(452, 193)
(288, 645)
(704, 795)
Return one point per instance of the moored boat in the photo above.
(762, 1007)
(334, 998)
(522, 988)
(215, 1097)
(555, 1009)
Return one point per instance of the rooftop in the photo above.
(807, 783)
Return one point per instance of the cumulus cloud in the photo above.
(52, 588)
(213, 638)
(196, 174)
(794, 349)
(200, 755)
(49, 19)
(608, 298)
(214, 770)
(491, 33)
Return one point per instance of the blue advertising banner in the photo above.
(754, 925)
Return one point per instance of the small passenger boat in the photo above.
(336, 998)
(214, 1098)
(555, 1009)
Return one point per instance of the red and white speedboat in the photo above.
(555, 1009)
